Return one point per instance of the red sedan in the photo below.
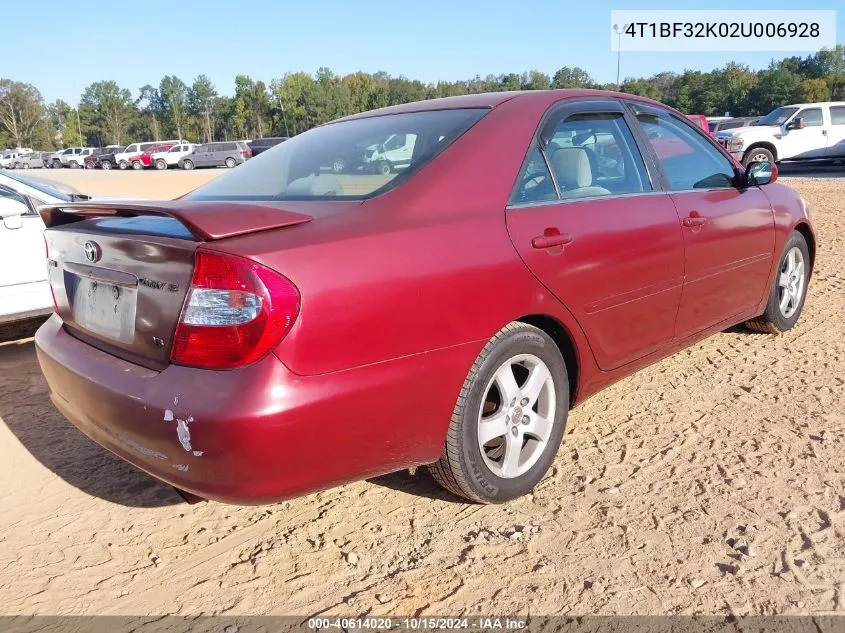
(284, 328)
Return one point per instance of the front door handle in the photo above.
(550, 241)
(693, 220)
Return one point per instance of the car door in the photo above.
(600, 237)
(836, 132)
(728, 232)
(809, 141)
(22, 247)
(206, 154)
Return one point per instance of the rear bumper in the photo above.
(22, 301)
(260, 433)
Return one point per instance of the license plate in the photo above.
(106, 309)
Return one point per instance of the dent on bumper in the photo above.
(260, 433)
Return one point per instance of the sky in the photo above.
(137, 43)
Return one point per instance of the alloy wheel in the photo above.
(517, 416)
(791, 282)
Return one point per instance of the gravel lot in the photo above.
(711, 482)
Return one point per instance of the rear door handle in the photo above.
(550, 241)
(694, 220)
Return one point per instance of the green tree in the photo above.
(640, 87)
(776, 86)
(201, 98)
(535, 80)
(151, 110)
(813, 90)
(21, 110)
(111, 109)
(574, 77)
(174, 100)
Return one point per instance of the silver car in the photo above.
(32, 160)
(228, 153)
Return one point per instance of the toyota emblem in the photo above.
(92, 252)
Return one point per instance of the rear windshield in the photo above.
(348, 160)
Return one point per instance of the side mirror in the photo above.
(795, 124)
(11, 211)
(761, 173)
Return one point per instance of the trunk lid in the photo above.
(120, 271)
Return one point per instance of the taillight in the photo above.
(246, 152)
(49, 282)
(236, 311)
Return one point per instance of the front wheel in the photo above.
(123, 164)
(789, 289)
(509, 419)
(105, 164)
(161, 164)
(187, 164)
(136, 165)
(757, 155)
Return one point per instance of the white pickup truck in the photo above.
(803, 131)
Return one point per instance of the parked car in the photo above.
(260, 145)
(24, 290)
(107, 159)
(450, 314)
(228, 153)
(803, 131)
(32, 160)
(7, 160)
(70, 157)
(170, 158)
(144, 159)
(732, 123)
(701, 121)
(92, 161)
(394, 153)
(130, 152)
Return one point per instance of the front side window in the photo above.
(812, 117)
(688, 160)
(594, 154)
(341, 160)
(131, 148)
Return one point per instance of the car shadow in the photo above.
(26, 410)
(420, 484)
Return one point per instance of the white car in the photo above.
(395, 152)
(70, 157)
(803, 131)
(24, 291)
(123, 159)
(7, 160)
(170, 158)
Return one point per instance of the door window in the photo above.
(812, 117)
(837, 115)
(688, 159)
(534, 183)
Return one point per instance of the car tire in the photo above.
(789, 289)
(757, 154)
(490, 471)
(105, 164)
(187, 164)
(338, 166)
(231, 162)
(25, 166)
(123, 164)
(384, 168)
(161, 164)
(57, 164)
(73, 164)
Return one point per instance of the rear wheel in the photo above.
(757, 155)
(105, 164)
(161, 164)
(123, 164)
(383, 168)
(187, 164)
(57, 164)
(509, 419)
(789, 289)
(136, 165)
(231, 162)
(25, 165)
(74, 164)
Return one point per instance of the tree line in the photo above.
(110, 114)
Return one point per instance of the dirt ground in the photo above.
(711, 482)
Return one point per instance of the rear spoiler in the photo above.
(206, 220)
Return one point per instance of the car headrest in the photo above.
(572, 167)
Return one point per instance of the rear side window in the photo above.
(837, 115)
(346, 160)
(688, 159)
(228, 147)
